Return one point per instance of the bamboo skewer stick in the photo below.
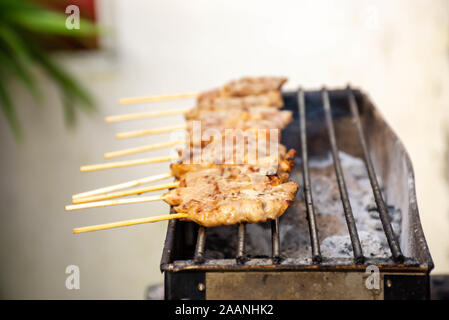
(130, 222)
(144, 148)
(119, 194)
(188, 95)
(127, 163)
(143, 115)
(120, 186)
(139, 133)
(115, 202)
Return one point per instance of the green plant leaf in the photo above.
(16, 58)
(8, 110)
(16, 5)
(23, 27)
(17, 70)
(70, 88)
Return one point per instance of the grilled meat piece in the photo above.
(252, 86)
(266, 166)
(225, 196)
(263, 167)
(245, 92)
(221, 152)
(250, 129)
(213, 100)
(233, 117)
(226, 130)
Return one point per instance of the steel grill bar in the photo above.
(314, 240)
(275, 243)
(241, 257)
(356, 246)
(383, 213)
(200, 244)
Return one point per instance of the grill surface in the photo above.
(326, 121)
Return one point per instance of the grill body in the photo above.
(326, 121)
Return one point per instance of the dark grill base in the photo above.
(293, 285)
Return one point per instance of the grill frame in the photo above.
(417, 264)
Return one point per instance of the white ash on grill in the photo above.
(332, 229)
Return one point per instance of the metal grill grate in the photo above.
(243, 262)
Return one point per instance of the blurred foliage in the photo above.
(25, 27)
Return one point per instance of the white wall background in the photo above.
(397, 51)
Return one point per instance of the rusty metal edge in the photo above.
(419, 237)
(265, 264)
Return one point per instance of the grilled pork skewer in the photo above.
(213, 107)
(225, 195)
(248, 86)
(260, 124)
(262, 168)
(213, 153)
(177, 171)
(236, 119)
(261, 118)
(216, 100)
(222, 188)
(210, 203)
(272, 99)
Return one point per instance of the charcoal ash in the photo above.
(341, 246)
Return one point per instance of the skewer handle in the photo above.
(127, 163)
(108, 203)
(143, 115)
(119, 194)
(129, 222)
(139, 133)
(148, 147)
(188, 95)
(120, 186)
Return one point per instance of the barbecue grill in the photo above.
(228, 262)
